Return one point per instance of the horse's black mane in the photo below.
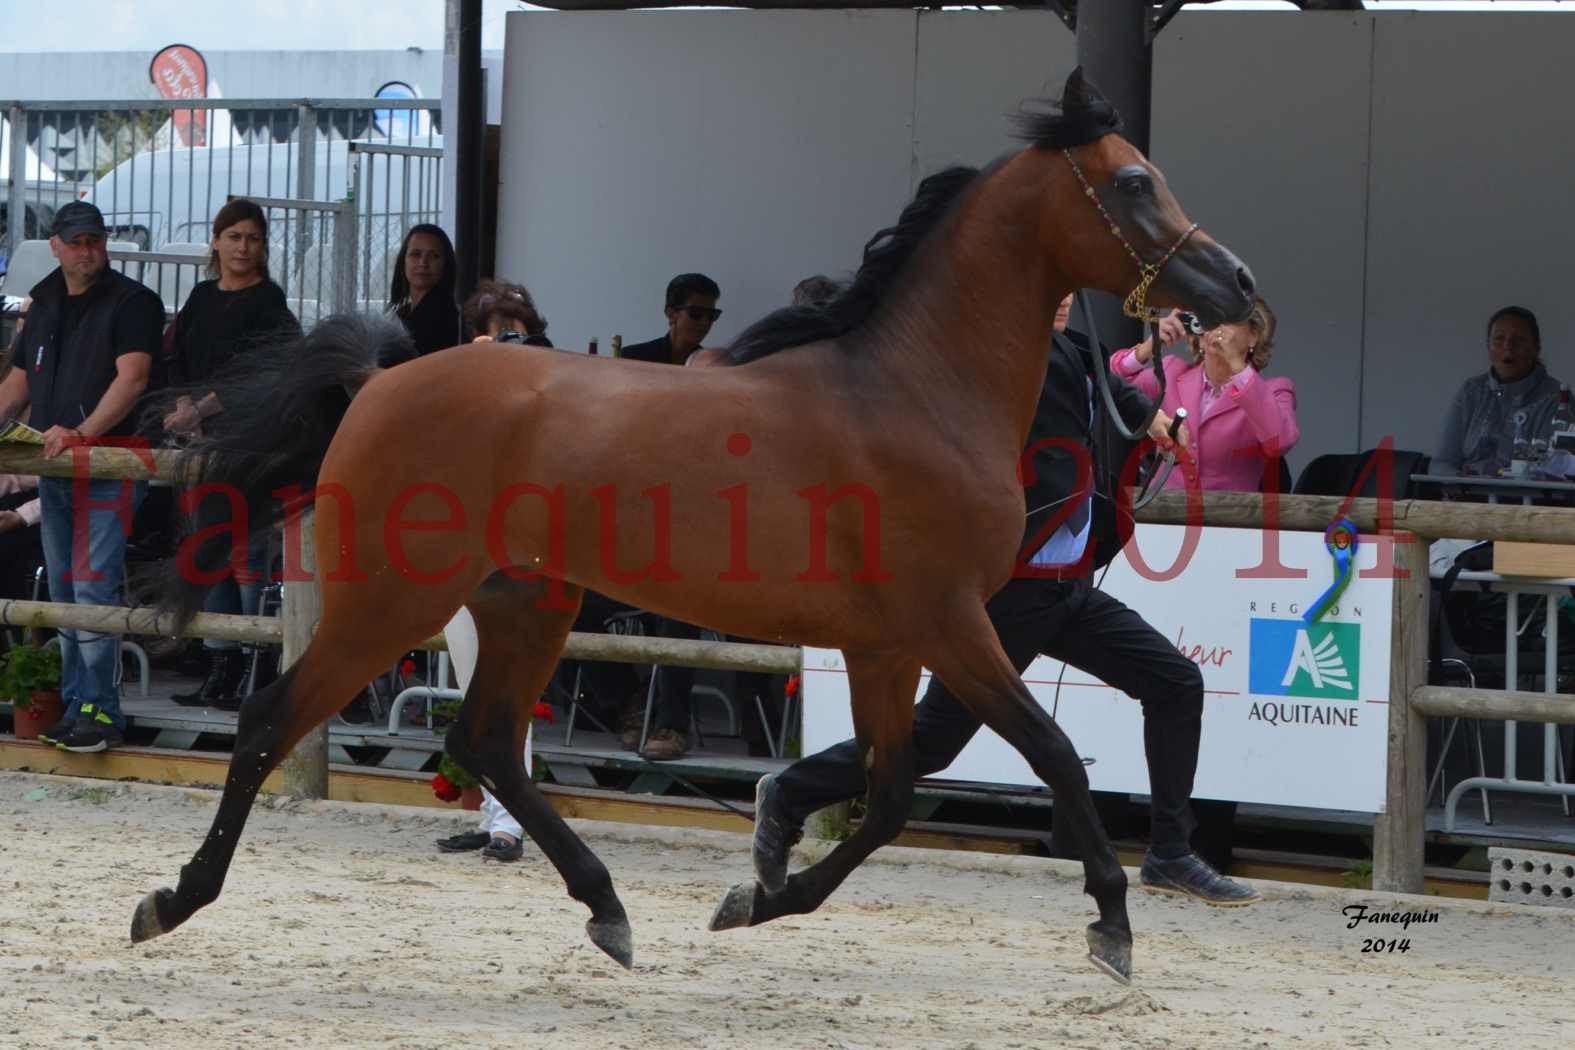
(885, 254)
(1051, 125)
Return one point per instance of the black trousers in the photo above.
(1065, 620)
(673, 708)
(605, 685)
(616, 685)
(21, 552)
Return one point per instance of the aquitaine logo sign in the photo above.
(1296, 658)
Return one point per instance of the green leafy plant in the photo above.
(1359, 876)
(451, 780)
(26, 670)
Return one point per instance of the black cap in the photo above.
(77, 218)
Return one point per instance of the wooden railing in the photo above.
(1399, 830)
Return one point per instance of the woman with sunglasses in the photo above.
(691, 311)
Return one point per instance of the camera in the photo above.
(510, 335)
(1190, 322)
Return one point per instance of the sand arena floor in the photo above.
(341, 926)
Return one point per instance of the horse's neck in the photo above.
(973, 326)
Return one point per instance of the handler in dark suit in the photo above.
(1051, 607)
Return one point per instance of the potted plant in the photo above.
(452, 783)
(30, 679)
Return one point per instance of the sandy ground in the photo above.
(342, 926)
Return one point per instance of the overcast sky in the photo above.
(229, 25)
(223, 25)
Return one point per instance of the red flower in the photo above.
(792, 686)
(544, 712)
(443, 789)
(407, 669)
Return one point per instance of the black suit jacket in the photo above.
(657, 350)
(1052, 472)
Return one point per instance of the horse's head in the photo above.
(1113, 224)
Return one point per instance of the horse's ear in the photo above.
(1079, 93)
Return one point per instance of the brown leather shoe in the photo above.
(665, 745)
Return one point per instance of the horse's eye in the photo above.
(1134, 186)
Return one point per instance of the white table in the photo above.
(1526, 489)
(1512, 588)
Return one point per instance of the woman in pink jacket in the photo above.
(1241, 422)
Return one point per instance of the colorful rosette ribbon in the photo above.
(1340, 540)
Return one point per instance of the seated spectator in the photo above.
(691, 311)
(1240, 423)
(421, 294)
(1479, 427)
(498, 308)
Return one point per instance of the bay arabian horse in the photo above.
(858, 493)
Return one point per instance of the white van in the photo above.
(165, 196)
(169, 197)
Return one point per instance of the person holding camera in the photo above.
(505, 313)
(1241, 423)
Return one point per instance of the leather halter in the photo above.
(1136, 303)
(1135, 306)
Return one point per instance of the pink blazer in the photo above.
(1249, 423)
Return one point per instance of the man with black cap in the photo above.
(82, 362)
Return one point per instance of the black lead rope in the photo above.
(1159, 473)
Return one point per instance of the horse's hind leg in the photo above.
(883, 687)
(272, 721)
(978, 672)
(517, 648)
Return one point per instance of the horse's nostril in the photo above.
(1244, 280)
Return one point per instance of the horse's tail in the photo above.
(281, 404)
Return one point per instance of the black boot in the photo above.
(194, 697)
(226, 668)
(232, 684)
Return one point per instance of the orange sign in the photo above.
(179, 72)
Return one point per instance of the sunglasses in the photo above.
(700, 313)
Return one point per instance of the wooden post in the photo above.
(306, 769)
(833, 823)
(1399, 832)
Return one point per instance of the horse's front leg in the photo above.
(974, 667)
(883, 687)
(518, 639)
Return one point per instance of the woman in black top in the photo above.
(241, 306)
(422, 292)
(223, 316)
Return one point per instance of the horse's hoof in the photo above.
(145, 921)
(1111, 954)
(737, 908)
(614, 937)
